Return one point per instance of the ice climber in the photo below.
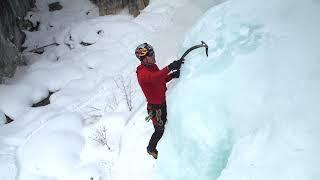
(153, 81)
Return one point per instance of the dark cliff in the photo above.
(107, 7)
(11, 36)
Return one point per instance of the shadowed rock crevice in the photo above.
(56, 6)
(85, 43)
(9, 120)
(44, 102)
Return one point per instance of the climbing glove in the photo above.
(175, 74)
(175, 65)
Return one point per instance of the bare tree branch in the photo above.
(126, 89)
(100, 136)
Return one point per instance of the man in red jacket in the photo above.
(153, 81)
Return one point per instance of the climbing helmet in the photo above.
(143, 50)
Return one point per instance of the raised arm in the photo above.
(147, 76)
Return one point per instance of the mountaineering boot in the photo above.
(154, 153)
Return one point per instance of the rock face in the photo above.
(107, 7)
(11, 23)
(56, 6)
(11, 36)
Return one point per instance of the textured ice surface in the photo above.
(250, 110)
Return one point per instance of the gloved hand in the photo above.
(175, 74)
(175, 65)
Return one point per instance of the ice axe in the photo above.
(203, 44)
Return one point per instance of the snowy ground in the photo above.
(55, 141)
(248, 111)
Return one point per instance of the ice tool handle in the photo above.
(203, 44)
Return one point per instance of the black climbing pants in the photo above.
(159, 118)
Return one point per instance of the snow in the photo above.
(2, 118)
(60, 145)
(248, 111)
(88, 58)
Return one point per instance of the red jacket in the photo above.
(153, 82)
